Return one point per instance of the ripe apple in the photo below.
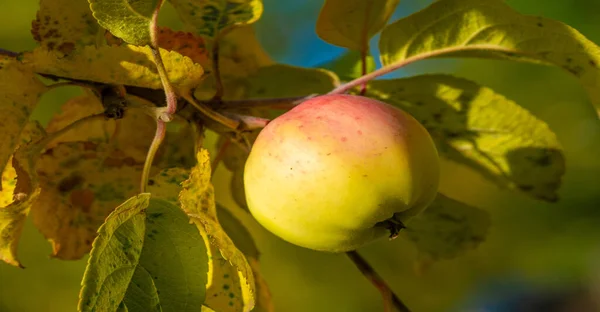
(339, 171)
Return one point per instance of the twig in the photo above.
(41, 143)
(159, 136)
(363, 61)
(419, 57)
(249, 122)
(210, 113)
(8, 53)
(171, 97)
(73, 84)
(219, 156)
(274, 103)
(389, 298)
(219, 90)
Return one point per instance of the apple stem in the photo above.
(389, 297)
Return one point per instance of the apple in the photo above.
(340, 171)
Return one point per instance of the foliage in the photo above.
(167, 245)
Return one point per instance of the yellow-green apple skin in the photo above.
(327, 174)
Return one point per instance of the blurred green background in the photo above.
(535, 250)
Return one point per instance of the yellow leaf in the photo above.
(351, 23)
(18, 197)
(244, 242)
(20, 91)
(224, 288)
(78, 107)
(64, 25)
(185, 43)
(119, 65)
(197, 200)
(82, 182)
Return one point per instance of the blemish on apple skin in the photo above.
(359, 132)
(309, 138)
(344, 139)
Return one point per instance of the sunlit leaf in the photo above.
(477, 127)
(19, 190)
(197, 200)
(64, 25)
(210, 17)
(349, 65)
(126, 270)
(491, 29)
(119, 65)
(224, 291)
(244, 242)
(20, 91)
(172, 271)
(126, 19)
(448, 228)
(82, 182)
(351, 23)
(115, 256)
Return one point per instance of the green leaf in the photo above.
(238, 191)
(280, 80)
(211, 17)
(125, 270)
(134, 67)
(243, 240)
(351, 23)
(114, 257)
(172, 270)
(477, 127)
(238, 232)
(491, 29)
(20, 91)
(197, 200)
(240, 55)
(349, 65)
(448, 228)
(126, 19)
(65, 25)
